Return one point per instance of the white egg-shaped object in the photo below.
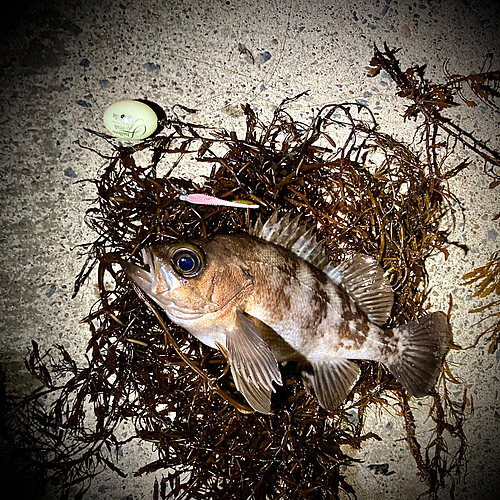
(130, 120)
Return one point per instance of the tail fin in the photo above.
(423, 346)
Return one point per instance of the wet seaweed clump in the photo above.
(365, 191)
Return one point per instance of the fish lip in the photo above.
(137, 274)
(147, 257)
(182, 315)
(161, 281)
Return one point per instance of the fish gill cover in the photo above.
(366, 192)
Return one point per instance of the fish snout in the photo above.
(157, 273)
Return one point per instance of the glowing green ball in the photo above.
(130, 120)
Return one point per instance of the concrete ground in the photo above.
(64, 62)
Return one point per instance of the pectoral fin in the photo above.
(253, 365)
(331, 380)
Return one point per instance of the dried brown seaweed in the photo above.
(430, 100)
(366, 192)
(429, 103)
(487, 280)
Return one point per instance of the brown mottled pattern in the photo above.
(312, 315)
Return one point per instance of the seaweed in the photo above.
(365, 191)
(431, 100)
(487, 280)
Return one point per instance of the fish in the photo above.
(270, 296)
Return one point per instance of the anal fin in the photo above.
(332, 380)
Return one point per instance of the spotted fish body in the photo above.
(271, 296)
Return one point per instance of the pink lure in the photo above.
(205, 199)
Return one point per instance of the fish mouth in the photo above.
(156, 284)
(159, 283)
(139, 276)
(154, 281)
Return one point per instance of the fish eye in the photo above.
(187, 260)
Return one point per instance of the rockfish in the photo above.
(270, 296)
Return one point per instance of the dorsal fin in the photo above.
(294, 237)
(364, 280)
(361, 277)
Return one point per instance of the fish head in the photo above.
(191, 279)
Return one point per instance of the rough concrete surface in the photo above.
(64, 62)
